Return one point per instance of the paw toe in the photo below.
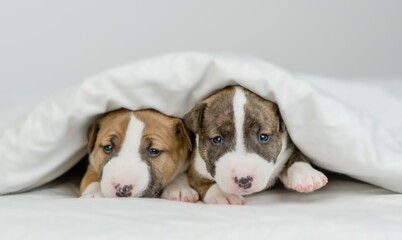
(184, 194)
(222, 201)
(228, 200)
(308, 188)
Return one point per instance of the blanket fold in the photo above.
(346, 127)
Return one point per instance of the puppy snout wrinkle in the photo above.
(244, 182)
(123, 191)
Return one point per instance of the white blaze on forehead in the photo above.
(240, 163)
(132, 140)
(127, 168)
(239, 100)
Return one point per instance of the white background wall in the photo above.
(46, 45)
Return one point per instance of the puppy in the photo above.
(136, 154)
(242, 147)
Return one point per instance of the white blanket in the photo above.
(345, 127)
(344, 209)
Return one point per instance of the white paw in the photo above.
(302, 177)
(93, 195)
(215, 195)
(93, 190)
(180, 192)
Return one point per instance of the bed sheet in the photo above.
(344, 209)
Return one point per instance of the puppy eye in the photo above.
(217, 140)
(264, 137)
(153, 152)
(108, 149)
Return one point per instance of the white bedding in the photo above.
(344, 209)
(347, 127)
(350, 128)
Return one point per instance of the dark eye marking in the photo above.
(217, 140)
(263, 137)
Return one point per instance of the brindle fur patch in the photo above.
(261, 117)
(214, 116)
(217, 119)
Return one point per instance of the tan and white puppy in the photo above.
(136, 154)
(242, 147)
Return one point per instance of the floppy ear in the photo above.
(92, 133)
(193, 119)
(282, 126)
(185, 134)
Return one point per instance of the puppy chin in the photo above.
(237, 190)
(234, 166)
(128, 181)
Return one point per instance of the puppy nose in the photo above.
(123, 190)
(244, 182)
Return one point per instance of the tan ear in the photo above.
(185, 134)
(193, 119)
(92, 133)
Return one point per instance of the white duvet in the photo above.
(344, 127)
(343, 209)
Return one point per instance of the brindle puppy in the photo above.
(242, 147)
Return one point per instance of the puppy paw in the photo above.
(93, 190)
(93, 195)
(302, 177)
(180, 192)
(215, 195)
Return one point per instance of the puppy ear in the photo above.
(193, 119)
(92, 133)
(282, 126)
(185, 134)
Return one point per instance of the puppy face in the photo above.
(239, 138)
(137, 153)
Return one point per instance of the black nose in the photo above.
(244, 182)
(123, 191)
